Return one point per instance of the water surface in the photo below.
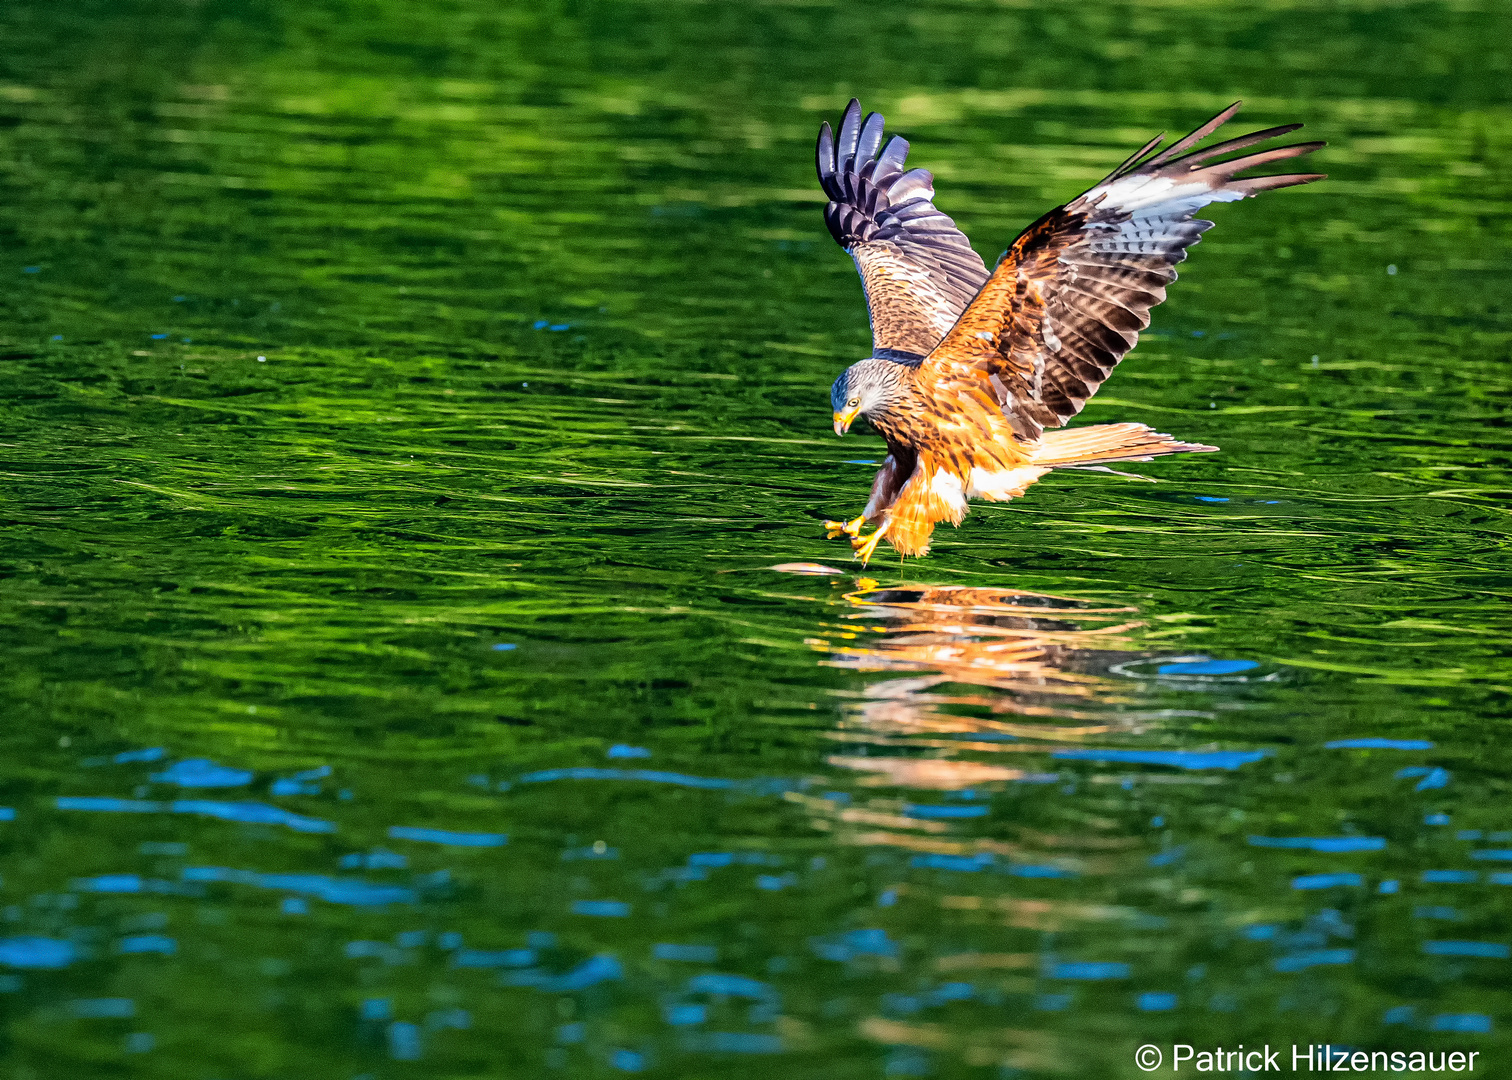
(405, 404)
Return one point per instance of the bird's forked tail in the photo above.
(1100, 444)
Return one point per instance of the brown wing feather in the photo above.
(1070, 296)
(917, 268)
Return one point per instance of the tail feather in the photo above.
(934, 493)
(1102, 443)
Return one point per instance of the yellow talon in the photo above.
(864, 548)
(849, 528)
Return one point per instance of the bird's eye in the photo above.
(853, 402)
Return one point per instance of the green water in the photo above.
(404, 403)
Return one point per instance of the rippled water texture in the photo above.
(405, 405)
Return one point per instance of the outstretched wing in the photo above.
(1069, 298)
(917, 268)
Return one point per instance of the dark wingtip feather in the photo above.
(1256, 184)
(850, 132)
(894, 155)
(1194, 138)
(1237, 165)
(870, 137)
(1130, 163)
(824, 158)
(1228, 146)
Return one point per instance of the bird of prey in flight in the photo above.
(971, 371)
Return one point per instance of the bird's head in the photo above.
(866, 389)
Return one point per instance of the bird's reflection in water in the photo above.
(977, 670)
(969, 691)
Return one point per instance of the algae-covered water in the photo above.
(404, 405)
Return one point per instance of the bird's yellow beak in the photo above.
(843, 421)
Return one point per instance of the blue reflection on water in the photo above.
(1490, 950)
(685, 1014)
(611, 909)
(1432, 778)
(148, 943)
(443, 836)
(201, 772)
(1470, 1023)
(853, 944)
(626, 1060)
(109, 805)
(151, 753)
(1183, 759)
(697, 954)
(248, 812)
(1378, 744)
(102, 1008)
(735, 1042)
(1168, 857)
(111, 883)
(456, 1019)
(774, 882)
(404, 1041)
(1034, 870)
(508, 958)
(591, 972)
(37, 952)
(301, 783)
(964, 863)
(1313, 958)
(1321, 843)
(914, 810)
(730, 985)
(333, 890)
(1207, 667)
(1327, 881)
(711, 860)
(253, 814)
(1089, 970)
(654, 776)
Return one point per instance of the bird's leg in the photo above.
(864, 548)
(850, 528)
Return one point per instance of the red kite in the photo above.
(971, 370)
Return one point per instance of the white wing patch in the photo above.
(1140, 194)
(1004, 485)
